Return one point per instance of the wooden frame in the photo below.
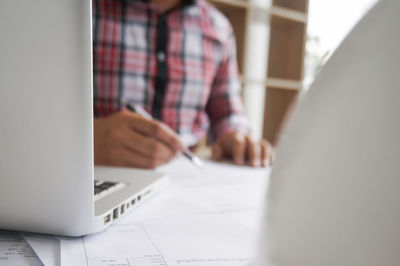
(285, 65)
(284, 78)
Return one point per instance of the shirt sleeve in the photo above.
(225, 106)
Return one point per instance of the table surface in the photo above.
(203, 217)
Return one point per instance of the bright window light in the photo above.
(329, 22)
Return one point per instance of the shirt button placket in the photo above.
(161, 56)
(161, 79)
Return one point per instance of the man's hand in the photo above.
(240, 148)
(128, 139)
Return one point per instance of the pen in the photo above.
(187, 153)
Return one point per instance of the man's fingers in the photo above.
(253, 151)
(147, 146)
(217, 152)
(267, 153)
(264, 160)
(238, 149)
(154, 129)
(128, 158)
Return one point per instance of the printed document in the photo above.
(204, 217)
(14, 250)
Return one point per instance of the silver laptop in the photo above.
(46, 136)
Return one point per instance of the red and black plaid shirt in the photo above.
(179, 65)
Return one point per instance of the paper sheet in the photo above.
(15, 251)
(203, 240)
(164, 243)
(121, 244)
(204, 217)
(45, 246)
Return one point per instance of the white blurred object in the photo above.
(334, 196)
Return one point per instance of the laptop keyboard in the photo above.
(104, 188)
(100, 186)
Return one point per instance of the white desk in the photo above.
(203, 217)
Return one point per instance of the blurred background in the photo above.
(281, 46)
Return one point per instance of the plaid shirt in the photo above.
(179, 65)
